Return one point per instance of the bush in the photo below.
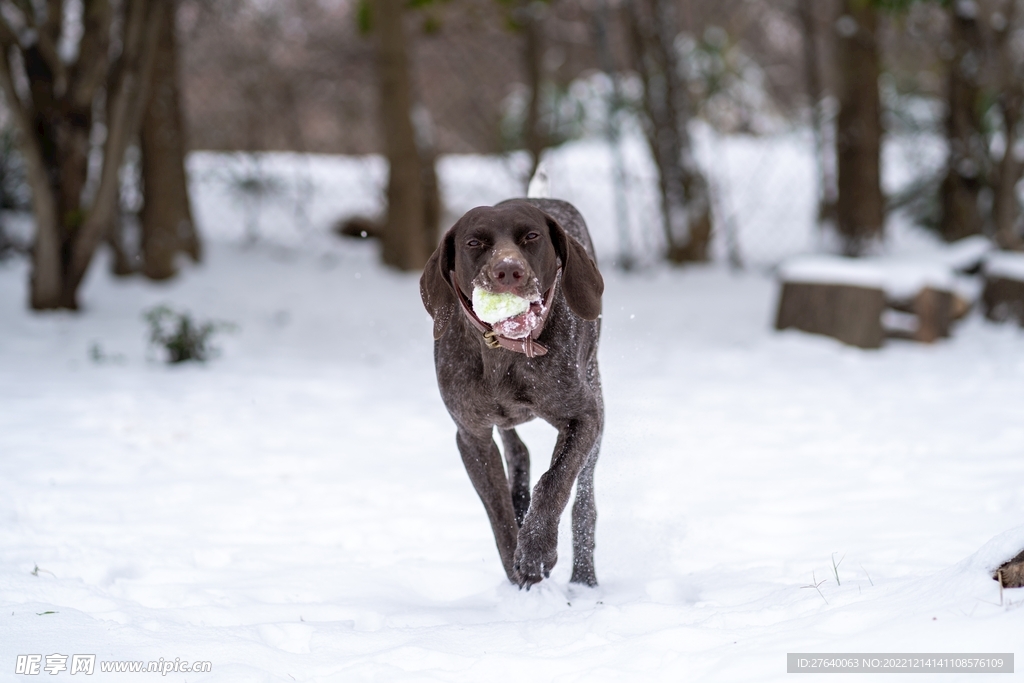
(183, 338)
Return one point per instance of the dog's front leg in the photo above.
(518, 459)
(483, 463)
(537, 550)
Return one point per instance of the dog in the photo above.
(542, 363)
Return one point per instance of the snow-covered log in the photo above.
(862, 301)
(1011, 573)
(1003, 297)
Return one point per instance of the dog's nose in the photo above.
(508, 273)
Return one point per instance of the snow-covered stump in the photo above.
(1003, 297)
(851, 314)
(1011, 573)
(933, 311)
(862, 301)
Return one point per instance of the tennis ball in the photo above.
(491, 307)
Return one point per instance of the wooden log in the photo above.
(1003, 299)
(934, 309)
(851, 314)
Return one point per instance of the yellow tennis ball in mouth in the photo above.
(491, 307)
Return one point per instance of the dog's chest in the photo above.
(494, 386)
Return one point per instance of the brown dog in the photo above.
(542, 363)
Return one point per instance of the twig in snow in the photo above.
(835, 566)
(814, 584)
(867, 575)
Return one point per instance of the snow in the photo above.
(296, 509)
(763, 192)
(1003, 264)
(900, 276)
(967, 253)
(899, 279)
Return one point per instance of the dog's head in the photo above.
(514, 247)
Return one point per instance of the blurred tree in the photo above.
(812, 63)
(1007, 171)
(685, 198)
(14, 192)
(860, 205)
(54, 113)
(979, 47)
(468, 68)
(414, 206)
(985, 104)
(613, 133)
(167, 225)
(967, 165)
(528, 16)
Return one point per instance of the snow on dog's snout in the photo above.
(513, 314)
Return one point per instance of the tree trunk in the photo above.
(45, 284)
(1005, 204)
(62, 128)
(686, 204)
(815, 94)
(860, 206)
(405, 231)
(55, 124)
(967, 164)
(427, 151)
(127, 94)
(612, 135)
(530, 19)
(167, 225)
(1006, 209)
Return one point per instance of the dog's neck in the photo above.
(528, 346)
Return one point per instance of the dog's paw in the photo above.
(584, 577)
(536, 554)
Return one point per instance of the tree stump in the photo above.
(853, 314)
(849, 313)
(1003, 299)
(934, 310)
(862, 301)
(1011, 573)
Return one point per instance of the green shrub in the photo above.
(183, 338)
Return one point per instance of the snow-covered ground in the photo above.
(296, 509)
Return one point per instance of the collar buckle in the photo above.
(491, 339)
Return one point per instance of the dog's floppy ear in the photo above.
(436, 288)
(582, 283)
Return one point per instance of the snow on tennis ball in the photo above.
(492, 307)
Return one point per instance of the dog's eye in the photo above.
(474, 244)
(531, 236)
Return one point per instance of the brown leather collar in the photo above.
(527, 345)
